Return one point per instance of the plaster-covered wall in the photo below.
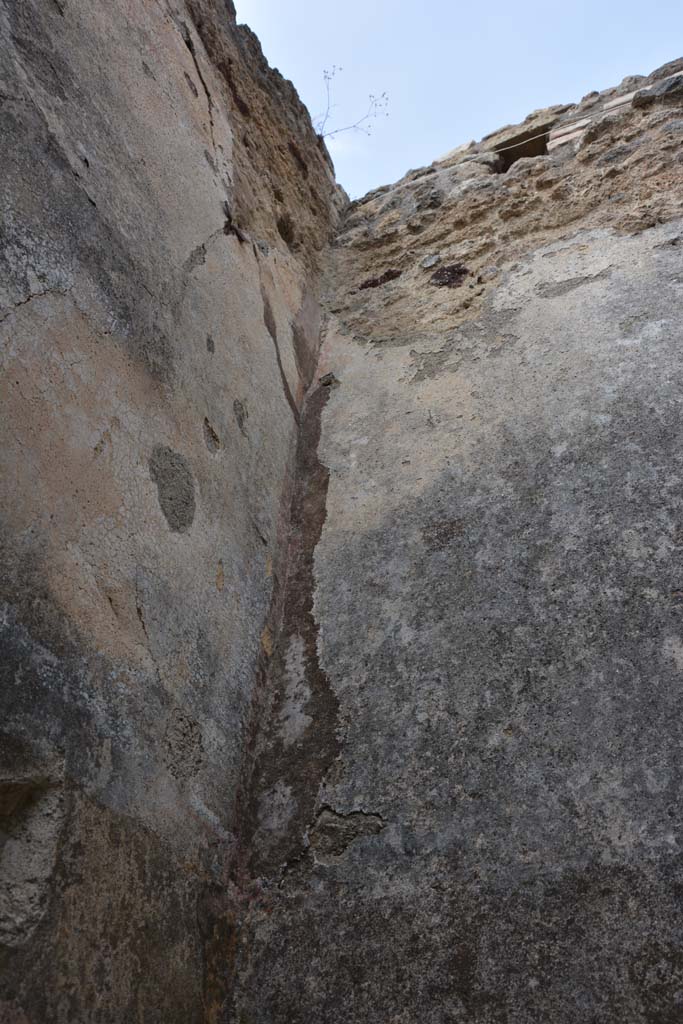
(164, 203)
(345, 690)
(468, 801)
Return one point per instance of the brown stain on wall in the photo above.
(304, 764)
(267, 759)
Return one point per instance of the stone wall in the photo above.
(345, 690)
(164, 204)
(467, 803)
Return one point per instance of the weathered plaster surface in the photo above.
(345, 691)
(498, 603)
(156, 336)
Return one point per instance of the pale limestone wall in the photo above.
(157, 333)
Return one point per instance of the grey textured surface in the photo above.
(338, 691)
(498, 595)
(495, 832)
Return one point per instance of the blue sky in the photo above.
(453, 71)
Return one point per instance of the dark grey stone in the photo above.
(668, 91)
(175, 485)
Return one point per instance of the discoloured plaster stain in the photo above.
(183, 745)
(241, 416)
(171, 473)
(451, 276)
(440, 534)
(300, 743)
(673, 648)
(293, 718)
(267, 641)
(332, 833)
(552, 289)
(376, 282)
(32, 813)
(211, 438)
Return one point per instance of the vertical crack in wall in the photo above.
(299, 742)
(269, 321)
(270, 762)
(189, 42)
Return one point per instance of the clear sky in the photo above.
(453, 71)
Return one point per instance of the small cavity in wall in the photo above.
(527, 144)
